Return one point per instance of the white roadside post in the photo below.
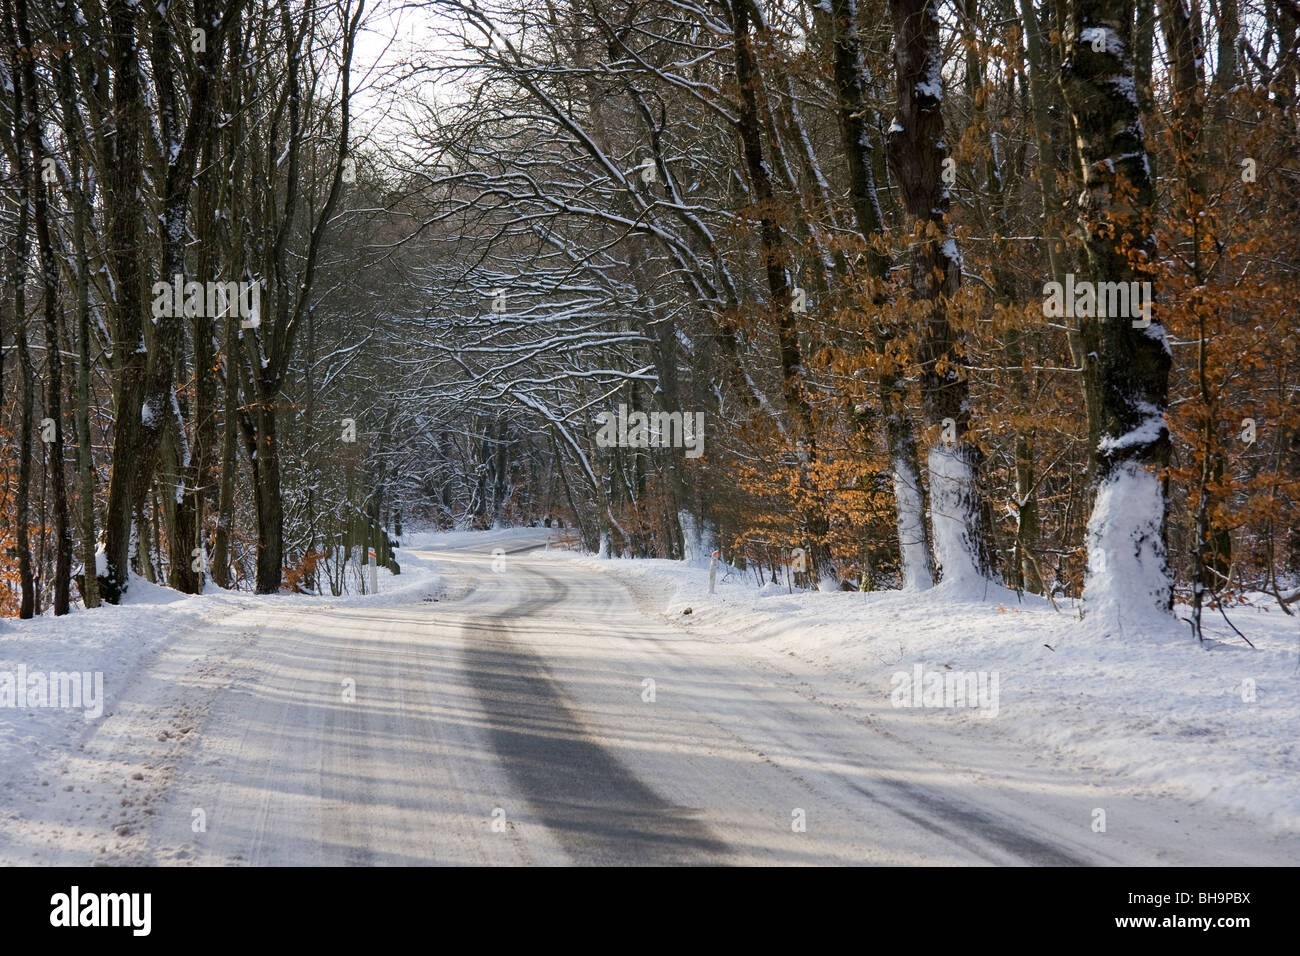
(713, 572)
(374, 573)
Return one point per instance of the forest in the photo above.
(957, 291)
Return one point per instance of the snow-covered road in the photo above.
(510, 719)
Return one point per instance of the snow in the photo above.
(932, 85)
(41, 746)
(949, 251)
(210, 702)
(1127, 583)
(1149, 430)
(1126, 88)
(1154, 711)
(1157, 332)
(951, 496)
(911, 526)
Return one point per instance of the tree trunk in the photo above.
(81, 216)
(900, 438)
(229, 449)
(917, 151)
(776, 267)
(38, 191)
(265, 457)
(27, 374)
(122, 210)
(1127, 571)
(165, 421)
(18, 273)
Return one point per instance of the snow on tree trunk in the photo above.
(699, 539)
(1127, 580)
(955, 516)
(916, 150)
(913, 538)
(1127, 572)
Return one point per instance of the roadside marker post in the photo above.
(713, 572)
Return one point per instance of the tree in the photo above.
(917, 152)
(1127, 566)
(853, 111)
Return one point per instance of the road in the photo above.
(509, 721)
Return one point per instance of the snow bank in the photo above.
(114, 643)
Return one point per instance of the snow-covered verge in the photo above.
(44, 710)
(1217, 722)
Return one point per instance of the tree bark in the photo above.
(81, 216)
(854, 113)
(1127, 570)
(916, 149)
(122, 210)
(25, 93)
(776, 267)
